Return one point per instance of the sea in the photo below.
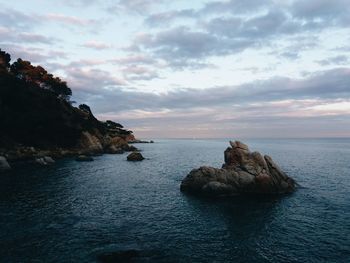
(112, 210)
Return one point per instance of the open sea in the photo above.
(76, 212)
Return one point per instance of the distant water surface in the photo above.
(73, 212)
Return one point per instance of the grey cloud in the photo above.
(14, 19)
(336, 60)
(35, 55)
(230, 27)
(92, 81)
(12, 36)
(139, 73)
(135, 59)
(331, 84)
(165, 18)
(235, 6)
(181, 47)
(336, 11)
(134, 6)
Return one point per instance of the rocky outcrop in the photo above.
(243, 172)
(4, 165)
(90, 143)
(44, 122)
(135, 156)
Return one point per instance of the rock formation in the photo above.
(135, 156)
(243, 172)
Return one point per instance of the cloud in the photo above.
(336, 60)
(96, 45)
(180, 47)
(229, 27)
(12, 36)
(134, 6)
(70, 20)
(235, 6)
(136, 59)
(331, 84)
(334, 12)
(11, 18)
(139, 73)
(165, 18)
(34, 55)
(91, 81)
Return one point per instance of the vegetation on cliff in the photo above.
(36, 111)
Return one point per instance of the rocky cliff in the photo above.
(38, 118)
(243, 172)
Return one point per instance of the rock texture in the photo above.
(243, 172)
(4, 165)
(135, 156)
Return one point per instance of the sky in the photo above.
(195, 69)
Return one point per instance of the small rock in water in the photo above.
(135, 156)
(84, 158)
(243, 172)
(4, 165)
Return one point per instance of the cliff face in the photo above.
(36, 116)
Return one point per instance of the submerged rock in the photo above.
(4, 165)
(242, 172)
(84, 158)
(46, 160)
(119, 256)
(135, 156)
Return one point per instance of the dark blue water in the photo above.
(73, 212)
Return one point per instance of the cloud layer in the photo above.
(217, 68)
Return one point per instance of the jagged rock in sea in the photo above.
(4, 165)
(243, 172)
(135, 156)
(84, 158)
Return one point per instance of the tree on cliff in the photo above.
(35, 109)
(5, 59)
(37, 75)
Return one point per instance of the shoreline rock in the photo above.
(243, 172)
(140, 141)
